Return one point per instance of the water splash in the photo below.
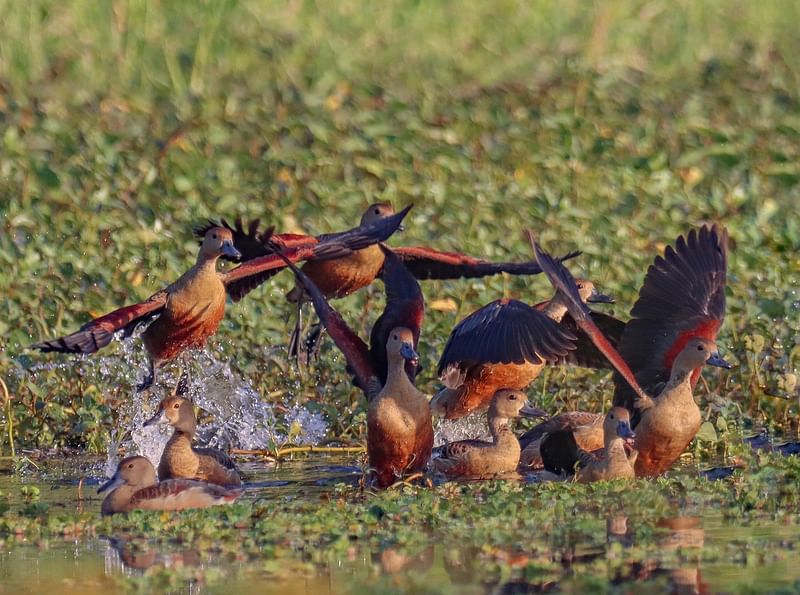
(472, 427)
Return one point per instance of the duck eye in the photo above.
(394, 337)
(377, 211)
(130, 465)
(176, 405)
(611, 415)
(699, 348)
(512, 397)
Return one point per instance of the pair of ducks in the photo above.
(505, 344)
(189, 477)
(187, 312)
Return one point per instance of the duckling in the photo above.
(477, 458)
(560, 452)
(134, 486)
(182, 460)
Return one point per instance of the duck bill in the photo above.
(408, 353)
(716, 360)
(229, 250)
(625, 432)
(529, 410)
(111, 484)
(159, 418)
(599, 298)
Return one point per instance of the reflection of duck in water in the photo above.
(139, 555)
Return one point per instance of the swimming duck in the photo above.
(507, 343)
(561, 453)
(340, 277)
(189, 310)
(670, 336)
(478, 458)
(134, 486)
(399, 427)
(181, 460)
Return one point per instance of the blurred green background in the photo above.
(609, 127)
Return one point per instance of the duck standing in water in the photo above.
(189, 310)
(134, 487)
(507, 344)
(670, 336)
(481, 459)
(182, 460)
(399, 427)
(561, 454)
(339, 277)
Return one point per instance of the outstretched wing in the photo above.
(683, 296)
(249, 275)
(564, 283)
(405, 307)
(349, 343)
(505, 331)
(586, 354)
(427, 263)
(99, 332)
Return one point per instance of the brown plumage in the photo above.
(480, 459)
(399, 428)
(189, 310)
(134, 486)
(506, 344)
(680, 309)
(181, 460)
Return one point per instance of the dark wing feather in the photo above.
(505, 331)
(246, 237)
(560, 453)
(354, 349)
(586, 353)
(248, 276)
(683, 296)
(427, 263)
(405, 307)
(563, 282)
(99, 332)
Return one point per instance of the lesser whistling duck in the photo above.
(182, 460)
(507, 343)
(478, 458)
(587, 428)
(189, 310)
(134, 486)
(340, 277)
(561, 453)
(399, 427)
(670, 336)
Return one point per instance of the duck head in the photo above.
(136, 472)
(217, 242)
(589, 293)
(618, 424)
(508, 403)
(401, 346)
(697, 352)
(176, 411)
(376, 212)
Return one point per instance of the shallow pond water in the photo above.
(699, 549)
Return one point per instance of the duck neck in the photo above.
(206, 261)
(396, 378)
(615, 447)
(556, 308)
(679, 384)
(499, 428)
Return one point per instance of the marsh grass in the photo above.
(607, 127)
